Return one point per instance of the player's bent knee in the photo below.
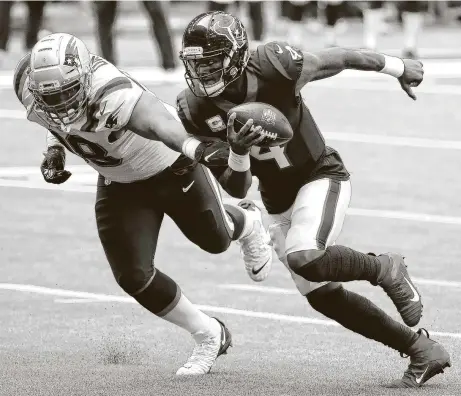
(326, 298)
(133, 282)
(215, 244)
(298, 260)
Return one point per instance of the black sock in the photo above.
(342, 264)
(360, 315)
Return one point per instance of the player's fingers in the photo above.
(252, 134)
(409, 91)
(245, 128)
(230, 124)
(258, 139)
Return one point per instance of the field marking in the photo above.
(209, 308)
(86, 178)
(366, 138)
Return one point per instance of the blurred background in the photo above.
(423, 29)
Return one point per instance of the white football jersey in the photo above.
(101, 137)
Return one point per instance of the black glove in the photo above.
(52, 166)
(210, 153)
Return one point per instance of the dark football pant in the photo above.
(34, 22)
(106, 12)
(129, 216)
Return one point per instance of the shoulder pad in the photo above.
(20, 76)
(112, 100)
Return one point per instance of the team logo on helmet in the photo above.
(71, 57)
(232, 29)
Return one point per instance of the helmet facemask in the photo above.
(65, 104)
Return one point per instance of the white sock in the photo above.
(187, 316)
(372, 21)
(412, 23)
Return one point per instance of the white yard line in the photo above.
(84, 180)
(79, 297)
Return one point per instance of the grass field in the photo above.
(66, 328)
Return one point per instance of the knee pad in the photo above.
(160, 295)
(134, 280)
(327, 298)
(309, 264)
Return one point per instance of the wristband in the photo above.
(393, 66)
(189, 147)
(239, 163)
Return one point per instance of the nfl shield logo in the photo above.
(269, 116)
(216, 123)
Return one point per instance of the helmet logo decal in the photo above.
(224, 27)
(71, 57)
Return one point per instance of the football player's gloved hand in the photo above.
(52, 166)
(412, 76)
(241, 142)
(213, 153)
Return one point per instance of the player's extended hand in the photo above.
(241, 142)
(211, 153)
(412, 76)
(52, 166)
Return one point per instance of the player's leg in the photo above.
(316, 220)
(105, 16)
(412, 20)
(212, 225)
(373, 17)
(161, 30)
(128, 224)
(5, 19)
(350, 309)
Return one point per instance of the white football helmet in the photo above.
(60, 77)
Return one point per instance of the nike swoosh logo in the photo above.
(256, 272)
(186, 189)
(415, 293)
(279, 51)
(209, 155)
(420, 378)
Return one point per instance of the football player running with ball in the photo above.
(304, 184)
(129, 136)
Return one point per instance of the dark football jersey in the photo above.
(271, 77)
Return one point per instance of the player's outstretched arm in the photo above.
(152, 120)
(329, 62)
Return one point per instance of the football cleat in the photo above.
(255, 247)
(401, 290)
(207, 351)
(427, 359)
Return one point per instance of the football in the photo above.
(275, 125)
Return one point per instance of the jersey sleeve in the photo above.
(20, 82)
(281, 60)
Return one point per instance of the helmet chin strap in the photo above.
(213, 90)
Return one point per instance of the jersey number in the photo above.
(91, 151)
(276, 153)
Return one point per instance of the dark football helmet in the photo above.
(214, 52)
